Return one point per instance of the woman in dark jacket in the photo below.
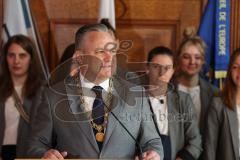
(222, 134)
(174, 112)
(19, 90)
(190, 59)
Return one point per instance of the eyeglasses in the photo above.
(100, 51)
(162, 68)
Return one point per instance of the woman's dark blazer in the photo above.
(207, 92)
(30, 105)
(221, 141)
(184, 133)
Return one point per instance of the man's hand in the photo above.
(54, 154)
(149, 155)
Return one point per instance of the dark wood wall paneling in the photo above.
(157, 22)
(235, 25)
(1, 21)
(42, 22)
(144, 35)
(57, 22)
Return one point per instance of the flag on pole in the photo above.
(107, 11)
(17, 19)
(214, 29)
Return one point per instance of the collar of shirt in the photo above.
(194, 93)
(238, 111)
(188, 89)
(87, 84)
(88, 94)
(157, 100)
(161, 112)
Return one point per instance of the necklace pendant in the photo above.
(100, 136)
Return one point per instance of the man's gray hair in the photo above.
(89, 28)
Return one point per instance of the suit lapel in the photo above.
(171, 104)
(204, 97)
(2, 111)
(154, 117)
(116, 107)
(27, 106)
(81, 116)
(233, 124)
(2, 118)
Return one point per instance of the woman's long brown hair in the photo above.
(33, 81)
(230, 90)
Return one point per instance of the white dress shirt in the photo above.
(161, 112)
(12, 117)
(194, 92)
(89, 95)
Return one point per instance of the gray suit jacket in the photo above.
(61, 123)
(183, 129)
(207, 92)
(221, 140)
(30, 105)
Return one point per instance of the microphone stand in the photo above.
(137, 144)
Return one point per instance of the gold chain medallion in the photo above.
(102, 127)
(100, 136)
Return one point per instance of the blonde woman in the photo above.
(190, 59)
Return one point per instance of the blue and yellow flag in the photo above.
(214, 29)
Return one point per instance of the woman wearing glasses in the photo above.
(173, 110)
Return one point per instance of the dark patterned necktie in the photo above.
(98, 113)
(98, 106)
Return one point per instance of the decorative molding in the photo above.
(174, 24)
(54, 51)
(154, 15)
(138, 29)
(144, 35)
(124, 6)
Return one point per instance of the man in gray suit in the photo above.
(93, 113)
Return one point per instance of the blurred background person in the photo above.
(190, 59)
(180, 136)
(63, 69)
(67, 53)
(20, 78)
(222, 132)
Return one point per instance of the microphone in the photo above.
(129, 133)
